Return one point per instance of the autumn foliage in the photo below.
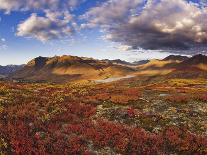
(52, 119)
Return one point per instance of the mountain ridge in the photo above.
(9, 69)
(68, 68)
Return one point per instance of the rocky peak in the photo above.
(40, 61)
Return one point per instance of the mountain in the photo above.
(177, 62)
(158, 64)
(141, 62)
(195, 63)
(121, 62)
(175, 58)
(193, 67)
(70, 68)
(169, 62)
(195, 60)
(176, 66)
(6, 70)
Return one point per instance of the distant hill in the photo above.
(175, 58)
(177, 62)
(158, 64)
(193, 67)
(141, 62)
(194, 61)
(176, 66)
(118, 61)
(6, 70)
(70, 68)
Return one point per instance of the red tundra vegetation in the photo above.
(45, 119)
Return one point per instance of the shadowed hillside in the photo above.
(176, 58)
(193, 67)
(6, 70)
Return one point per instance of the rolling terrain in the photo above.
(70, 68)
(157, 107)
(61, 69)
(142, 115)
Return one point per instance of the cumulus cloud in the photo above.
(51, 26)
(56, 20)
(167, 25)
(176, 25)
(112, 12)
(25, 5)
(74, 3)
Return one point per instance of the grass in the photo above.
(187, 82)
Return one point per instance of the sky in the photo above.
(131, 30)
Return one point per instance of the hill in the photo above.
(197, 62)
(194, 67)
(6, 70)
(70, 68)
(141, 62)
(176, 66)
(176, 58)
(167, 63)
(157, 67)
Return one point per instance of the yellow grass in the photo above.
(202, 66)
(154, 72)
(186, 82)
(157, 63)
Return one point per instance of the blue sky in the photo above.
(96, 28)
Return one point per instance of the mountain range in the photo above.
(70, 68)
(66, 68)
(7, 70)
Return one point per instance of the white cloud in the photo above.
(176, 25)
(113, 11)
(52, 26)
(25, 5)
(57, 21)
(163, 24)
(74, 3)
(123, 47)
(17, 5)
